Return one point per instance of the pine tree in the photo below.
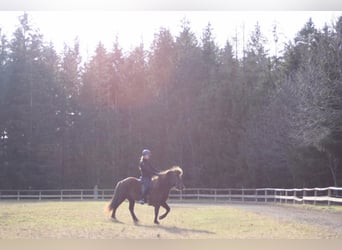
(161, 71)
(98, 115)
(68, 117)
(30, 110)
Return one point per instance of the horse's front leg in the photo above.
(167, 208)
(156, 212)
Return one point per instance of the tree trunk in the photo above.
(333, 167)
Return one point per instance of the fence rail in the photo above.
(329, 195)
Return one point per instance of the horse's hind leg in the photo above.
(164, 205)
(156, 212)
(116, 205)
(131, 209)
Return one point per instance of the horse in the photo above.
(130, 189)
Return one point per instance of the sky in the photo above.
(134, 27)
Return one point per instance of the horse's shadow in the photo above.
(174, 229)
(170, 229)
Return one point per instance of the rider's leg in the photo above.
(144, 191)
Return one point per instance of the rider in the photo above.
(147, 172)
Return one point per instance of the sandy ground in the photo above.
(59, 220)
(325, 218)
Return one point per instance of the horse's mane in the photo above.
(173, 169)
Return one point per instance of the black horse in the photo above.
(130, 189)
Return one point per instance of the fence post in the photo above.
(215, 193)
(294, 197)
(286, 196)
(102, 194)
(61, 195)
(265, 193)
(82, 195)
(256, 195)
(315, 197)
(40, 195)
(329, 195)
(18, 195)
(304, 194)
(96, 192)
(243, 195)
(229, 194)
(198, 194)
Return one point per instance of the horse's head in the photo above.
(175, 176)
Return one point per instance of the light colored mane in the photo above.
(172, 169)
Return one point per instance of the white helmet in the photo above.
(146, 152)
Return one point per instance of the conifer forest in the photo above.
(258, 119)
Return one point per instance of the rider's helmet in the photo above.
(146, 152)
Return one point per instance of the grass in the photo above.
(73, 219)
(311, 207)
(333, 208)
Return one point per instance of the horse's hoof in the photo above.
(161, 217)
(114, 219)
(156, 222)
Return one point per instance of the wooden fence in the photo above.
(328, 196)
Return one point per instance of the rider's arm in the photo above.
(153, 170)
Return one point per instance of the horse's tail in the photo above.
(113, 203)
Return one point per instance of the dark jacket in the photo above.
(146, 169)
